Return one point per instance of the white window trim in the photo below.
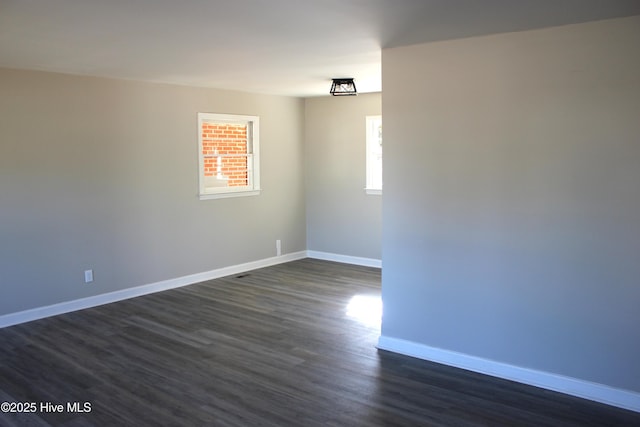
(370, 190)
(253, 139)
(242, 193)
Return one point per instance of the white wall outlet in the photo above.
(278, 248)
(88, 276)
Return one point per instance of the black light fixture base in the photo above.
(343, 87)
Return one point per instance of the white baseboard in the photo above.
(567, 385)
(347, 259)
(94, 301)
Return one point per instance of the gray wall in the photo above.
(102, 174)
(341, 218)
(512, 198)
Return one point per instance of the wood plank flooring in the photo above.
(273, 347)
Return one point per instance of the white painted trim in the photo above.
(213, 196)
(94, 301)
(572, 386)
(347, 259)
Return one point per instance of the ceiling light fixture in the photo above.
(343, 87)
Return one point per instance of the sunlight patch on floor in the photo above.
(366, 309)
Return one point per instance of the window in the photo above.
(229, 155)
(374, 155)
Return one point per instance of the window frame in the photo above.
(253, 156)
(371, 172)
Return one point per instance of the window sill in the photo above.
(230, 194)
(373, 191)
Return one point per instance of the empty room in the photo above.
(202, 221)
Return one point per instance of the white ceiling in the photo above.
(286, 47)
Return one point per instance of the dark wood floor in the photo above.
(273, 347)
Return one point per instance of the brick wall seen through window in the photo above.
(224, 148)
(229, 155)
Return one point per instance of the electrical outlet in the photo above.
(278, 248)
(88, 276)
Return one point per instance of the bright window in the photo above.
(374, 155)
(228, 151)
